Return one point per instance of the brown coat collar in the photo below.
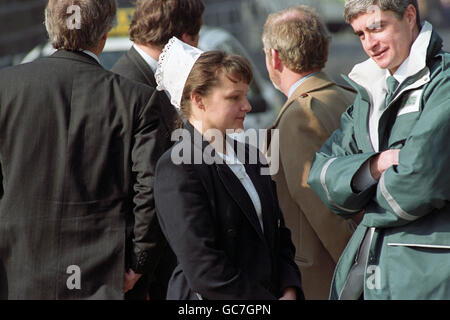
(314, 83)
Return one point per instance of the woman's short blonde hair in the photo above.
(79, 24)
(299, 36)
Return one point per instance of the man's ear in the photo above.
(275, 60)
(411, 15)
(189, 39)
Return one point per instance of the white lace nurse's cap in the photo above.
(174, 65)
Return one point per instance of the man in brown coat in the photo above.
(296, 47)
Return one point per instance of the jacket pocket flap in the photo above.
(419, 245)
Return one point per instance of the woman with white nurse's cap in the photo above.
(219, 213)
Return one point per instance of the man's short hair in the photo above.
(300, 37)
(354, 8)
(156, 21)
(79, 24)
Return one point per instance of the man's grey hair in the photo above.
(354, 8)
(79, 24)
(300, 37)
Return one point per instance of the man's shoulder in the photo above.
(123, 63)
(128, 66)
(324, 106)
(135, 87)
(334, 91)
(442, 65)
(329, 96)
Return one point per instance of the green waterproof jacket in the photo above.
(408, 210)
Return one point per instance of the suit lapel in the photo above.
(264, 192)
(240, 196)
(232, 184)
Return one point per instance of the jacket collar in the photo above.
(170, 114)
(142, 65)
(314, 83)
(75, 55)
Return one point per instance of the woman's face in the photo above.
(226, 106)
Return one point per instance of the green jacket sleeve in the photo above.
(419, 185)
(334, 168)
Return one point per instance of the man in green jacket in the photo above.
(391, 159)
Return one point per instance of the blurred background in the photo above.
(230, 25)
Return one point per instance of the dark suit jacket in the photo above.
(132, 66)
(75, 140)
(211, 224)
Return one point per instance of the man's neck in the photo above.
(152, 51)
(291, 77)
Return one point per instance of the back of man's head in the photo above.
(354, 8)
(156, 21)
(299, 36)
(79, 24)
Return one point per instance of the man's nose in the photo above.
(370, 42)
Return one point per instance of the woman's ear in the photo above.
(197, 101)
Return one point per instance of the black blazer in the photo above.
(212, 226)
(132, 66)
(75, 143)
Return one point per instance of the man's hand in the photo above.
(382, 162)
(130, 280)
(289, 294)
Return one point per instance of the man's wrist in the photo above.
(374, 168)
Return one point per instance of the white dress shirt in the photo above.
(91, 54)
(153, 64)
(298, 83)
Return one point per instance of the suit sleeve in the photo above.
(301, 128)
(148, 240)
(289, 273)
(334, 167)
(187, 219)
(419, 185)
(1, 181)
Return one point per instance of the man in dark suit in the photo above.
(75, 144)
(153, 24)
